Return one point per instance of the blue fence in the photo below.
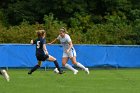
(23, 55)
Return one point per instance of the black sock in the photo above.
(57, 65)
(33, 69)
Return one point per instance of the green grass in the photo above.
(99, 81)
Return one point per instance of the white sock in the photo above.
(69, 67)
(80, 66)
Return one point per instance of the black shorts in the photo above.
(42, 57)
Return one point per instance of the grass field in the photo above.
(99, 81)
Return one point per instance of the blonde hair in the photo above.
(63, 30)
(40, 33)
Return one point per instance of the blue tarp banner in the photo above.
(23, 55)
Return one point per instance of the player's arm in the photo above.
(45, 49)
(53, 41)
(33, 41)
(70, 46)
(70, 43)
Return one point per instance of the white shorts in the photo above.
(72, 53)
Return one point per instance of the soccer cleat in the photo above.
(75, 72)
(87, 71)
(61, 72)
(5, 75)
(29, 73)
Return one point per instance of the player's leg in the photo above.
(35, 67)
(68, 66)
(5, 75)
(73, 59)
(0, 72)
(52, 59)
(65, 64)
(82, 67)
(72, 55)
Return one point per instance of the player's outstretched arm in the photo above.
(32, 41)
(53, 41)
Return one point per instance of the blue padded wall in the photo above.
(23, 55)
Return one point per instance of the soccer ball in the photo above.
(56, 70)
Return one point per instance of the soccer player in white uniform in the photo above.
(68, 51)
(5, 75)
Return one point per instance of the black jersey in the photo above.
(40, 54)
(39, 46)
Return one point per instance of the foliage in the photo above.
(87, 21)
(52, 26)
(18, 34)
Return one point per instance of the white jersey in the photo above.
(65, 43)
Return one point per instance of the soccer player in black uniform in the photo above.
(42, 53)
